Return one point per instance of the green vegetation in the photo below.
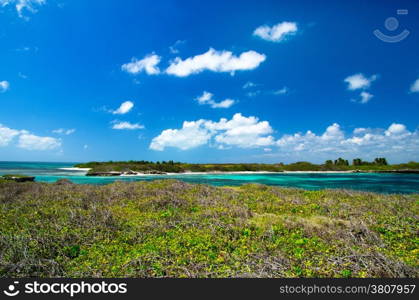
(17, 177)
(340, 164)
(169, 228)
(8, 176)
(175, 167)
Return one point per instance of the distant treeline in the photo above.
(170, 166)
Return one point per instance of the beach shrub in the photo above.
(169, 228)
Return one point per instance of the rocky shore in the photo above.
(18, 178)
(127, 173)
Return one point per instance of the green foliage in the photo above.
(340, 164)
(169, 228)
(9, 176)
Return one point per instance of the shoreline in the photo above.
(148, 173)
(235, 173)
(75, 169)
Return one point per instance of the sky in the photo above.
(215, 81)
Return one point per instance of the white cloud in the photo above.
(240, 131)
(121, 125)
(277, 33)
(174, 48)
(282, 91)
(365, 97)
(396, 130)
(249, 85)
(359, 81)
(216, 61)
(148, 64)
(7, 135)
(124, 108)
(33, 142)
(4, 86)
(255, 92)
(223, 104)
(27, 140)
(396, 143)
(207, 99)
(243, 132)
(359, 130)
(204, 98)
(414, 88)
(191, 135)
(64, 131)
(22, 5)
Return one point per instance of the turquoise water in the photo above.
(375, 182)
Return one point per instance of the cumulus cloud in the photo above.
(396, 130)
(148, 65)
(191, 135)
(4, 86)
(7, 135)
(121, 125)
(207, 99)
(365, 97)
(414, 88)
(243, 132)
(27, 140)
(216, 61)
(22, 5)
(396, 143)
(240, 131)
(33, 142)
(277, 33)
(359, 81)
(124, 108)
(64, 131)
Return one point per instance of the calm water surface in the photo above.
(375, 182)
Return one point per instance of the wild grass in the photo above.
(170, 228)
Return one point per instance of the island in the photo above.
(17, 177)
(133, 168)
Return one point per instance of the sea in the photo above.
(372, 182)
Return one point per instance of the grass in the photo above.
(169, 228)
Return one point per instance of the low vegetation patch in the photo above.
(379, 164)
(169, 228)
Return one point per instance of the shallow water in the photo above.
(375, 182)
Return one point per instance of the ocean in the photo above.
(373, 182)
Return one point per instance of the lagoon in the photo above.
(372, 182)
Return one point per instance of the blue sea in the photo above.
(375, 182)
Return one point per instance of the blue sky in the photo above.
(222, 81)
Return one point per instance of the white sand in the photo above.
(76, 169)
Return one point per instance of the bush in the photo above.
(168, 228)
